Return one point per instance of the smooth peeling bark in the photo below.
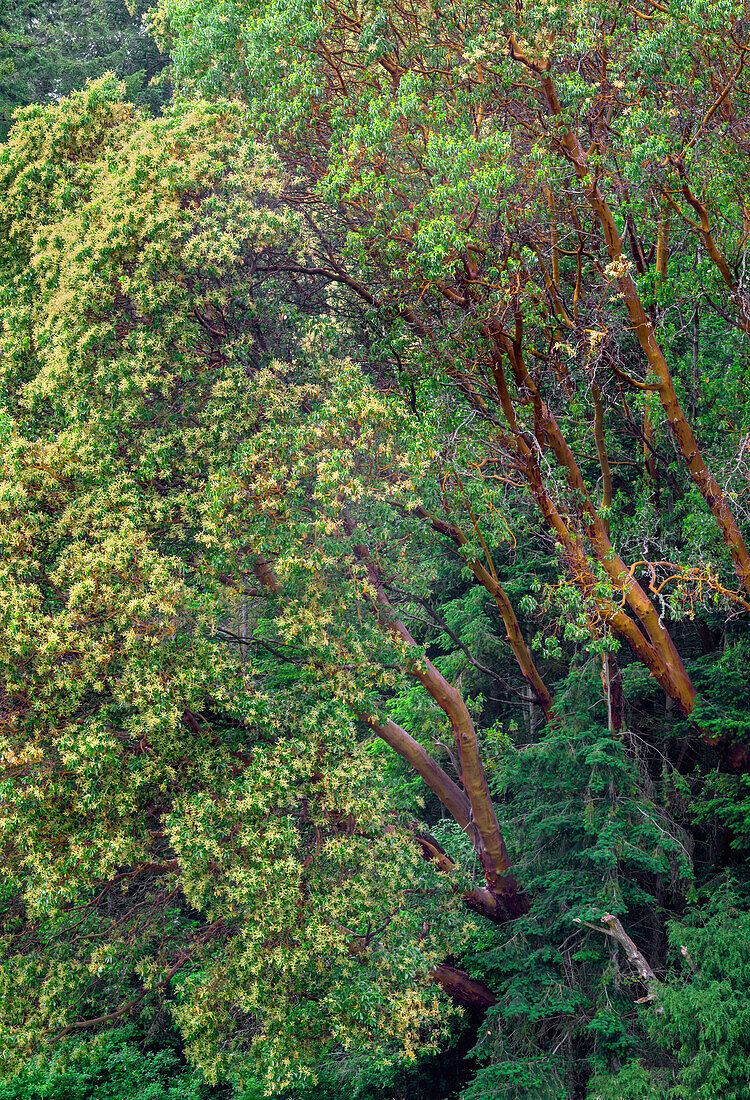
(579, 569)
(514, 634)
(480, 899)
(614, 617)
(439, 782)
(735, 757)
(668, 668)
(461, 988)
(706, 483)
(516, 639)
(491, 848)
(493, 851)
(658, 653)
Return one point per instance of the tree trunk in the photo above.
(706, 483)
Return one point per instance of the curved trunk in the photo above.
(515, 636)
(489, 843)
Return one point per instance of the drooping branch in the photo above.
(613, 927)
(201, 939)
(461, 988)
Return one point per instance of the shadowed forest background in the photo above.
(374, 506)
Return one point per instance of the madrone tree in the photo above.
(526, 190)
(436, 283)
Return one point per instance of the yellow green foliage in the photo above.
(170, 818)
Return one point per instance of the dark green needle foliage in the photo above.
(49, 48)
(374, 551)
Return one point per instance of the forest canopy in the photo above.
(375, 579)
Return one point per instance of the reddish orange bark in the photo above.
(490, 845)
(659, 654)
(515, 636)
(702, 477)
(462, 989)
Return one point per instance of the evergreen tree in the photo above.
(49, 49)
(374, 549)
